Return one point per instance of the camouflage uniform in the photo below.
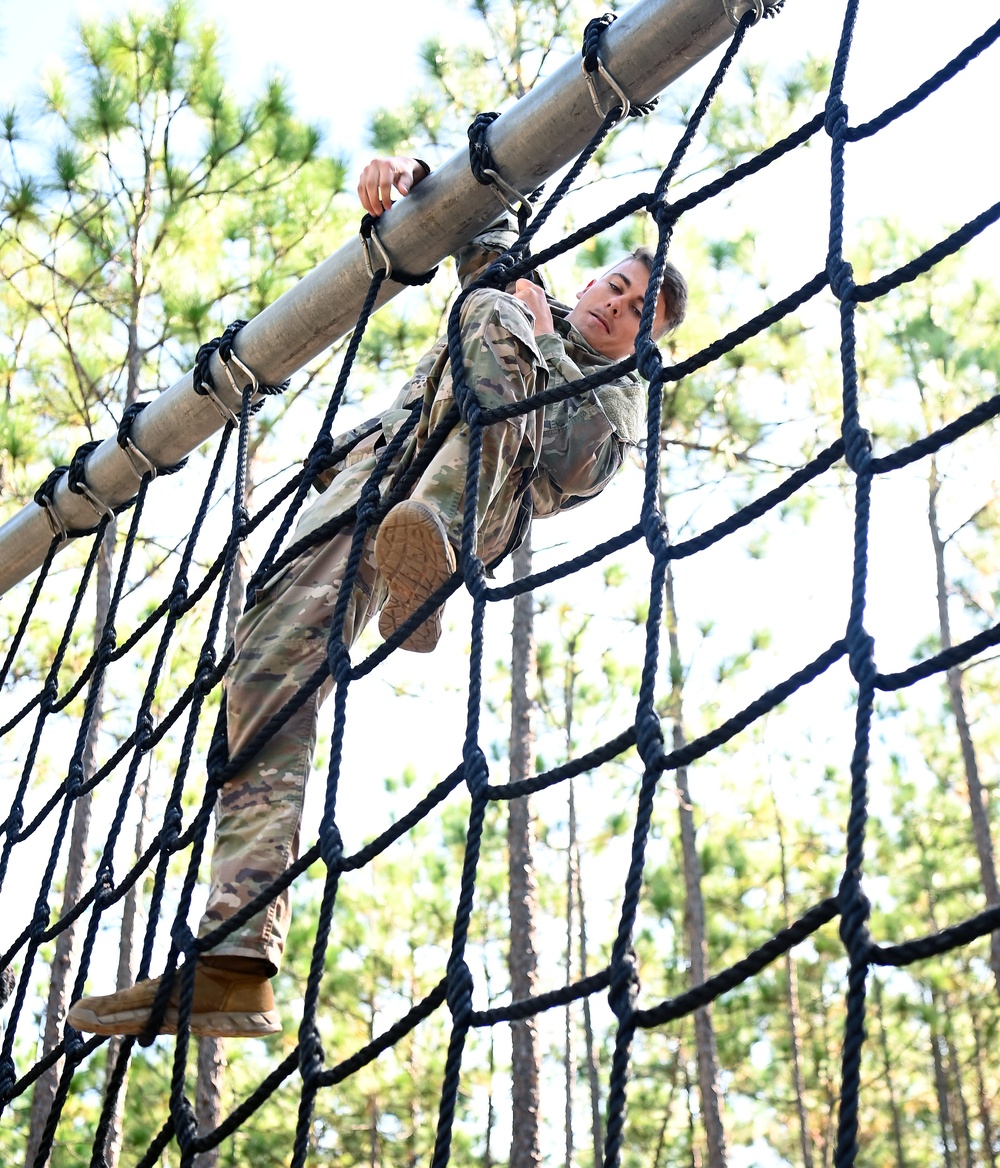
(562, 455)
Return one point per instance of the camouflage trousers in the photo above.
(283, 639)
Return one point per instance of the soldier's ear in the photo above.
(589, 284)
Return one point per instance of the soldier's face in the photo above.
(607, 311)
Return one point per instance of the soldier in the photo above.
(515, 345)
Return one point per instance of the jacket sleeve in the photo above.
(474, 257)
(582, 449)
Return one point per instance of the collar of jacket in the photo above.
(624, 398)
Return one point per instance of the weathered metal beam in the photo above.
(645, 50)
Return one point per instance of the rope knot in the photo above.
(857, 446)
(331, 847)
(109, 642)
(178, 596)
(144, 731)
(624, 990)
(648, 737)
(50, 693)
(861, 657)
(497, 273)
(468, 404)
(186, 1129)
(173, 820)
(75, 778)
(842, 283)
(835, 118)
(664, 213)
(460, 986)
(8, 1078)
(339, 660)
(185, 940)
(311, 1056)
(322, 448)
(477, 772)
(39, 922)
(73, 1044)
(648, 359)
(203, 679)
(855, 909)
(104, 888)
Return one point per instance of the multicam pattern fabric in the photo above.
(561, 456)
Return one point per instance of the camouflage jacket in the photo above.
(585, 438)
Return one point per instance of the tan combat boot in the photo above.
(414, 555)
(228, 1003)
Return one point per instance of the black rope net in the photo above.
(310, 1066)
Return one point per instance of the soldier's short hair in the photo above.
(674, 289)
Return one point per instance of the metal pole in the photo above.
(649, 47)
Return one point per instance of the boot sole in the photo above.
(212, 1024)
(412, 552)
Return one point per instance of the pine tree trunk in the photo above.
(373, 1141)
(988, 1148)
(693, 1146)
(208, 1094)
(569, 1065)
(491, 1115)
(941, 1088)
(76, 864)
(965, 1130)
(792, 999)
(668, 1107)
(694, 920)
(126, 977)
(897, 1127)
(593, 1080)
(977, 797)
(694, 908)
(524, 1150)
(819, 1039)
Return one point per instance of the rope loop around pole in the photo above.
(142, 464)
(486, 172)
(204, 386)
(738, 10)
(383, 263)
(77, 482)
(592, 66)
(240, 375)
(44, 496)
